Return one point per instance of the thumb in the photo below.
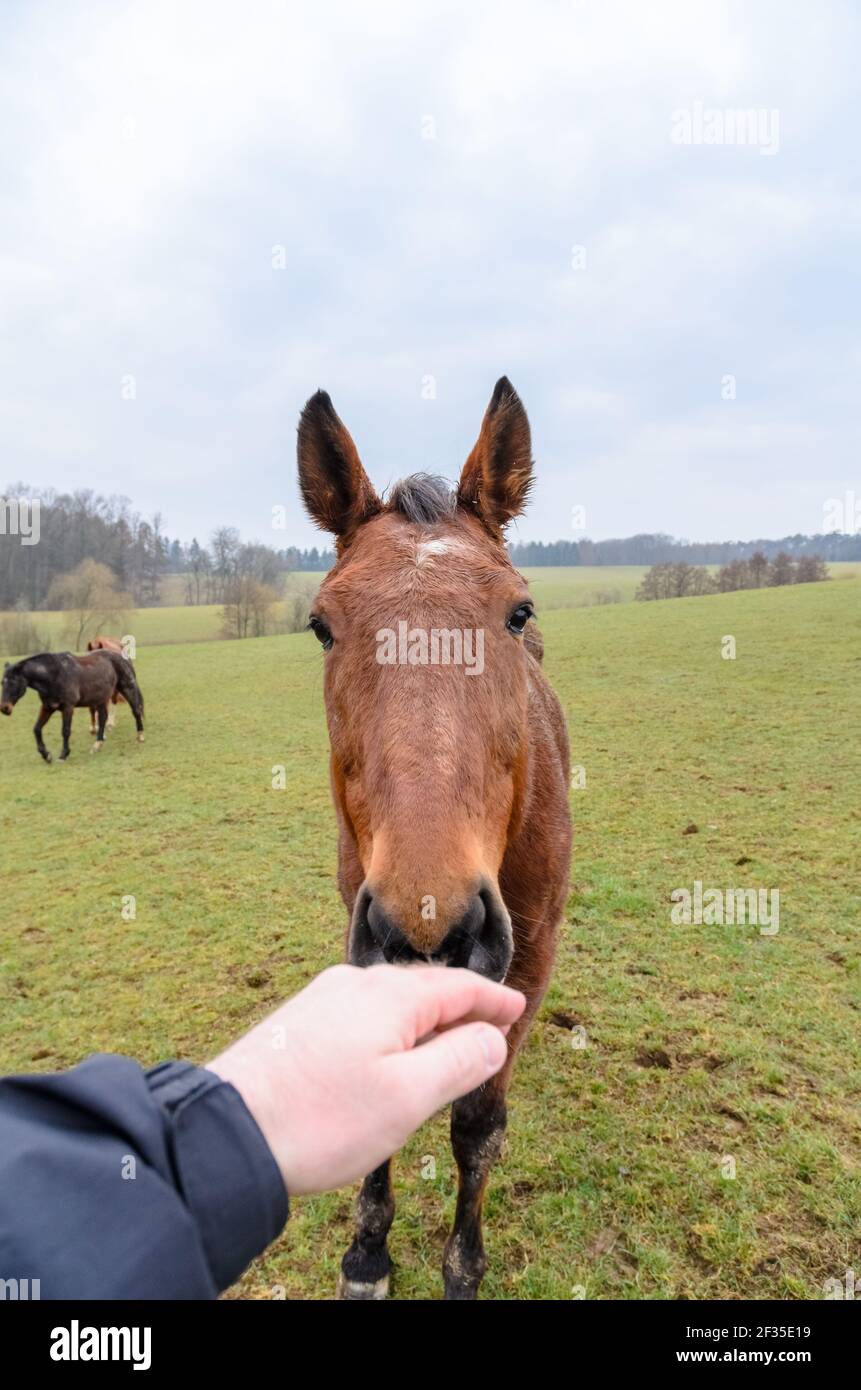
(450, 1065)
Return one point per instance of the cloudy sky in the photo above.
(208, 210)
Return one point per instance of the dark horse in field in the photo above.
(67, 682)
(450, 776)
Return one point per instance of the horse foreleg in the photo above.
(366, 1266)
(44, 716)
(93, 721)
(68, 711)
(477, 1131)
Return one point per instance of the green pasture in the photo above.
(583, 586)
(180, 623)
(705, 1140)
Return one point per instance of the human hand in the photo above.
(336, 1079)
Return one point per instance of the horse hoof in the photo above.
(48, 758)
(96, 746)
(352, 1289)
(140, 738)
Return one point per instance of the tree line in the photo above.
(682, 580)
(79, 526)
(659, 549)
(82, 525)
(210, 570)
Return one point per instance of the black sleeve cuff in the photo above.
(224, 1168)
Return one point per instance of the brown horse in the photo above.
(449, 761)
(106, 644)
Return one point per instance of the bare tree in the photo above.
(702, 582)
(811, 570)
(781, 570)
(735, 575)
(675, 581)
(654, 584)
(199, 568)
(681, 579)
(90, 596)
(153, 558)
(247, 607)
(225, 548)
(758, 569)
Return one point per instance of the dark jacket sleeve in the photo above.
(117, 1182)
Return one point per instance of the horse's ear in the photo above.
(497, 476)
(335, 487)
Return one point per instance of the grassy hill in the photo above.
(704, 1043)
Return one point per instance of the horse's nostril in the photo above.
(458, 945)
(375, 937)
(481, 940)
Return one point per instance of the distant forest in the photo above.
(666, 550)
(81, 526)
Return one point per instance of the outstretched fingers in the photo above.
(448, 1066)
(436, 997)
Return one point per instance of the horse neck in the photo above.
(35, 678)
(546, 745)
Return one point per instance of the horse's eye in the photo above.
(519, 618)
(321, 632)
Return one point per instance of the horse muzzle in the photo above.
(481, 939)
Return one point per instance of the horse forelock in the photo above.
(422, 498)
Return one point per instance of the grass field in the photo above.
(704, 1043)
(562, 588)
(552, 588)
(181, 623)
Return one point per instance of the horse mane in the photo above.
(422, 498)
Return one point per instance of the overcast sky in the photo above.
(425, 174)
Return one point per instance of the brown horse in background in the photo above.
(107, 644)
(449, 761)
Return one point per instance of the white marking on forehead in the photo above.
(426, 550)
